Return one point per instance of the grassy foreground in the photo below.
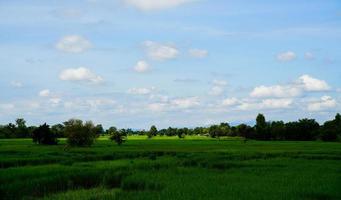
(171, 168)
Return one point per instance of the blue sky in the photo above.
(134, 63)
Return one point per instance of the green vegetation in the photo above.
(84, 134)
(196, 167)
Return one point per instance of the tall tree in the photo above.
(261, 127)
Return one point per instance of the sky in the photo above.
(137, 63)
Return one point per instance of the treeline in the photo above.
(303, 130)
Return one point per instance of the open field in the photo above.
(171, 168)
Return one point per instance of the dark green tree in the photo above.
(79, 134)
(152, 132)
(117, 136)
(261, 128)
(44, 135)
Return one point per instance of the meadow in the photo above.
(196, 167)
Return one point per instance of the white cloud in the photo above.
(80, 74)
(55, 101)
(73, 44)
(286, 56)
(266, 104)
(219, 82)
(157, 107)
(312, 84)
(149, 5)
(198, 53)
(16, 84)
(303, 83)
(186, 102)
(216, 90)
(140, 91)
(276, 103)
(275, 91)
(230, 102)
(44, 93)
(326, 102)
(160, 52)
(141, 66)
(309, 56)
(218, 87)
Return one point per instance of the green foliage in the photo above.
(79, 134)
(117, 137)
(262, 128)
(152, 132)
(44, 135)
(331, 130)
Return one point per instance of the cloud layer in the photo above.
(150, 5)
(80, 74)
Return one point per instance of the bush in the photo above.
(44, 135)
(79, 134)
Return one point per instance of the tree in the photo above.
(331, 130)
(215, 131)
(44, 135)
(152, 132)
(117, 136)
(58, 130)
(79, 134)
(261, 128)
(111, 130)
(244, 131)
(99, 130)
(181, 132)
(277, 130)
(21, 128)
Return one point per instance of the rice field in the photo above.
(171, 168)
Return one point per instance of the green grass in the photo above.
(171, 168)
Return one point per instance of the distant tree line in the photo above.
(79, 133)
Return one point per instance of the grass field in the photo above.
(171, 168)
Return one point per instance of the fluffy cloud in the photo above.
(174, 104)
(276, 103)
(230, 102)
(55, 101)
(160, 52)
(186, 102)
(80, 74)
(303, 83)
(216, 90)
(44, 93)
(286, 56)
(198, 53)
(326, 102)
(73, 44)
(141, 66)
(312, 84)
(140, 91)
(266, 104)
(275, 91)
(219, 82)
(149, 5)
(218, 87)
(157, 107)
